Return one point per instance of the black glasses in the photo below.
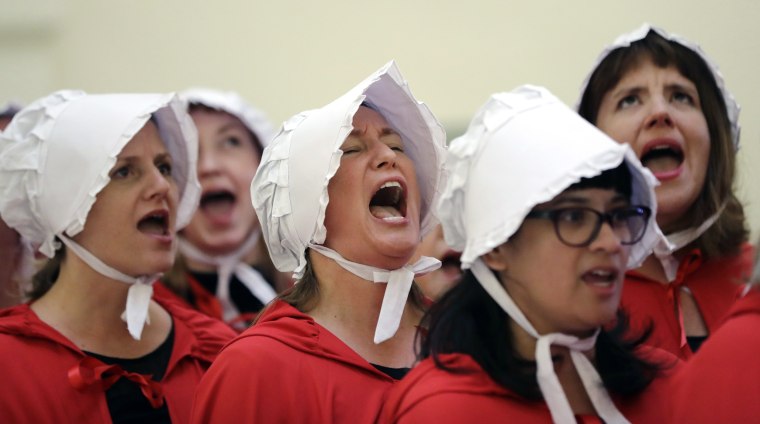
(580, 226)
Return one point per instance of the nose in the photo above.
(606, 240)
(659, 114)
(158, 184)
(208, 163)
(385, 156)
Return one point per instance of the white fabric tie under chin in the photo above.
(673, 242)
(226, 266)
(548, 381)
(397, 291)
(140, 292)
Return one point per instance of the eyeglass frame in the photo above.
(602, 217)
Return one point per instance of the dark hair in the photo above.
(256, 141)
(618, 179)
(727, 234)
(467, 320)
(43, 279)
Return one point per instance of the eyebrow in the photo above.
(682, 87)
(132, 159)
(384, 132)
(231, 125)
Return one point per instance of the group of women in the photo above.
(599, 247)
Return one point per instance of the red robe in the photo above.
(40, 368)
(289, 369)
(205, 302)
(721, 383)
(713, 284)
(431, 395)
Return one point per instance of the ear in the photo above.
(496, 258)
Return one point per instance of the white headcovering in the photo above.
(289, 190)
(231, 263)
(675, 241)
(56, 155)
(521, 149)
(232, 103)
(625, 40)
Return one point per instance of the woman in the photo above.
(343, 195)
(548, 213)
(213, 270)
(661, 95)
(100, 184)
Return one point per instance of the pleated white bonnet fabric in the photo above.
(521, 149)
(56, 157)
(290, 193)
(675, 241)
(231, 263)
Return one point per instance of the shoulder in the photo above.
(429, 391)
(208, 334)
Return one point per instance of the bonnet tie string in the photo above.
(397, 291)
(230, 264)
(548, 382)
(140, 291)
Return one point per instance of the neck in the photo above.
(568, 376)
(86, 308)
(348, 306)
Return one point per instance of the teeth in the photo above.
(603, 274)
(393, 218)
(391, 184)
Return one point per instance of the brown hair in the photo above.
(43, 279)
(727, 234)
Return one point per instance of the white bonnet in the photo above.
(56, 155)
(289, 190)
(230, 102)
(521, 149)
(625, 40)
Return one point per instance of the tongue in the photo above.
(381, 212)
(218, 207)
(662, 164)
(592, 278)
(150, 226)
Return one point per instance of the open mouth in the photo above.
(662, 158)
(389, 202)
(600, 277)
(217, 202)
(155, 223)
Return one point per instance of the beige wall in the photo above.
(286, 55)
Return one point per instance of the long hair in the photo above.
(44, 279)
(727, 234)
(467, 320)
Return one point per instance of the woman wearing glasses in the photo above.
(548, 218)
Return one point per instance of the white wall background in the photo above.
(289, 55)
